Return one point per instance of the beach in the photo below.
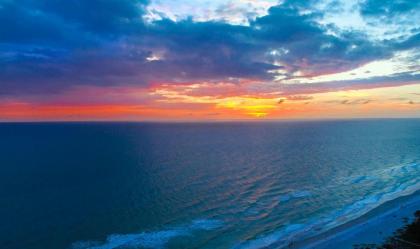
(374, 227)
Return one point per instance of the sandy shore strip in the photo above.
(371, 228)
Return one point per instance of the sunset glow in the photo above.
(156, 60)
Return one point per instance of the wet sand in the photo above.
(371, 228)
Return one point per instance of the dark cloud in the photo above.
(374, 82)
(351, 102)
(49, 45)
(21, 23)
(388, 8)
(66, 23)
(299, 97)
(413, 102)
(98, 16)
(411, 42)
(399, 99)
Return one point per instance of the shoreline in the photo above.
(372, 227)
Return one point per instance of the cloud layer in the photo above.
(50, 47)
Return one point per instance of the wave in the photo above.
(295, 195)
(281, 235)
(360, 179)
(399, 181)
(157, 239)
(315, 226)
(394, 172)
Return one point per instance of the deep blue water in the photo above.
(207, 185)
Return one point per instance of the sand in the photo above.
(371, 228)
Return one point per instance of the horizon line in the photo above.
(208, 120)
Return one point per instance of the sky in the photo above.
(197, 60)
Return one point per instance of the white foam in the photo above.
(359, 179)
(280, 236)
(205, 224)
(400, 169)
(156, 239)
(396, 188)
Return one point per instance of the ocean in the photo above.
(234, 185)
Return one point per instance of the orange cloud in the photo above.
(204, 101)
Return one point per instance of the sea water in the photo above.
(197, 185)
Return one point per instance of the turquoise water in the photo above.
(209, 185)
